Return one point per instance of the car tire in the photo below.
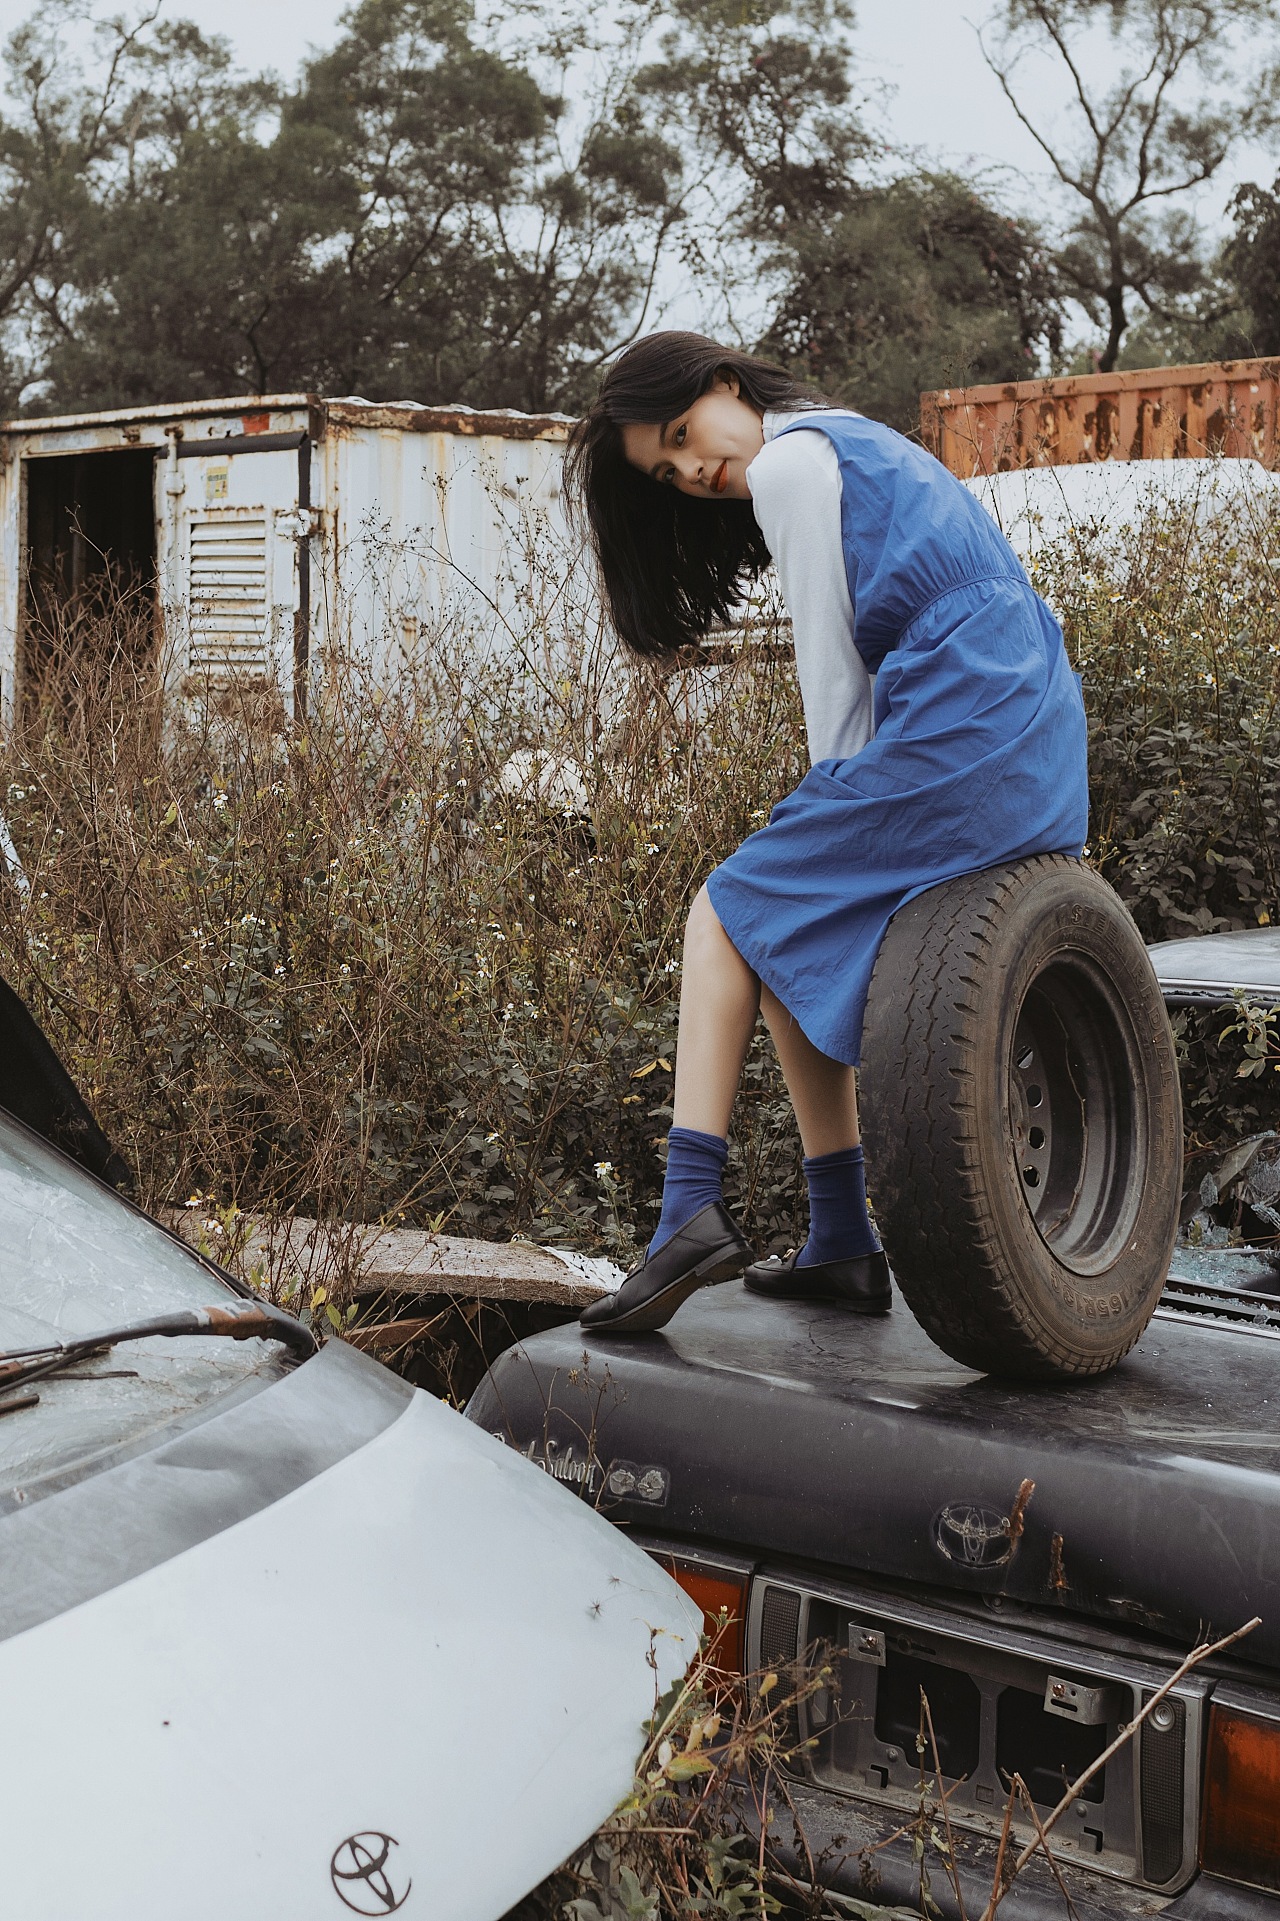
(1023, 1119)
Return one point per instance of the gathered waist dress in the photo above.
(953, 723)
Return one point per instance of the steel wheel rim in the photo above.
(1077, 1121)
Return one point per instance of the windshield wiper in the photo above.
(241, 1321)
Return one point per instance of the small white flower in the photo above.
(219, 801)
(603, 1170)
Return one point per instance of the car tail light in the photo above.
(721, 1593)
(1241, 1835)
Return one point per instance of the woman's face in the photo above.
(705, 451)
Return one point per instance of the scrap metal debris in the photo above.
(1230, 1223)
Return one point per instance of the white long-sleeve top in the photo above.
(795, 492)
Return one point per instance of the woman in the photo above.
(946, 734)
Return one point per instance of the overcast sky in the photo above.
(942, 99)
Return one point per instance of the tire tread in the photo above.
(921, 1095)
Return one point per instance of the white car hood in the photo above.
(414, 1683)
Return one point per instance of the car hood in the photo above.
(331, 1650)
(1205, 970)
(792, 1430)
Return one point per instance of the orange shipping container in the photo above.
(1152, 413)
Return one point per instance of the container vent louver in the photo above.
(227, 588)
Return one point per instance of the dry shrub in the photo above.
(369, 966)
(710, 1827)
(414, 958)
(1174, 623)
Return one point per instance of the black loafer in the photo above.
(861, 1285)
(707, 1249)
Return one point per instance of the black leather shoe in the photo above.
(707, 1249)
(861, 1285)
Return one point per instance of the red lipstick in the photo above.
(720, 478)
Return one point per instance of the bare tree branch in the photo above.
(1135, 149)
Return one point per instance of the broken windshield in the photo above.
(75, 1258)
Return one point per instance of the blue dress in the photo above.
(979, 752)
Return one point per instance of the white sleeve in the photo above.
(795, 491)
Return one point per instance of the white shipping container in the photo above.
(285, 533)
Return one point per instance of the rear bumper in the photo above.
(847, 1846)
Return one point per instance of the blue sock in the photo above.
(839, 1228)
(695, 1165)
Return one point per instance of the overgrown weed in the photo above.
(416, 957)
(699, 1833)
(711, 1828)
(1173, 620)
(412, 959)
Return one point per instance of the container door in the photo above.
(238, 575)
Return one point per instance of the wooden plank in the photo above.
(392, 1337)
(406, 1261)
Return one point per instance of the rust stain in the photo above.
(242, 1323)
(1145, 413)
(1018, 1513)
(449, 420)
(1057, 1572)
(262, 414)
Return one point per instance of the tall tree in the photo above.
(916, 284)
(189, 242)
(500, 239)
(877, 287)
(1252, 261)
(70, 111)
(1186, 81)
(420, 216)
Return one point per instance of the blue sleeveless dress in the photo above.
(979, 752)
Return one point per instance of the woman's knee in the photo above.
(708, 949)
(704, 937)
(703, 922)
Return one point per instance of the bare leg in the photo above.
(823, 1092)
(719, 1001)
(720, 998)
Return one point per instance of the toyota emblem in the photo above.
(975, 1537)
(362, 1876)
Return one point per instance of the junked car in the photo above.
(279, 1635)
(1034, 1558)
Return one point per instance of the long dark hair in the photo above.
(671, 565)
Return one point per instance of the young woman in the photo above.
(946, 734)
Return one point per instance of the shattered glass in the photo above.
(1230, 1234)
(75, 1258)
(1245, 1268)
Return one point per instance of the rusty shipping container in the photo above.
(1224, 407)
(280, 533)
